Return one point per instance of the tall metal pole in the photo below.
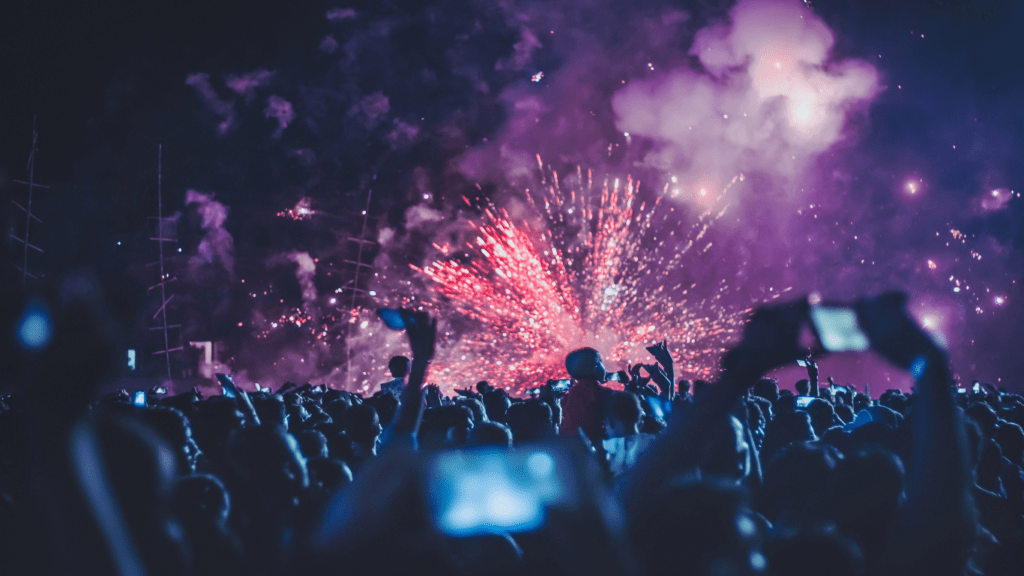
(355, 288)
(160, 243)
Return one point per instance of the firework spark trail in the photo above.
(590, 277)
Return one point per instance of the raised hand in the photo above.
(661, 378)
(660, 352)
(422, 332)
(433, 396)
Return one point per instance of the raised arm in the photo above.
(770, 339)
(422, 332)
(937, 530)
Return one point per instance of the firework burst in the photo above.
(594, 269)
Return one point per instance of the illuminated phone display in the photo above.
(838, 329)
(490, 491)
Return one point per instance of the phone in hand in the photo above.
(491, 491)
(560, 385)
(838, 329)
(230, 391)
(976, 387)
(140, 398)
(801, 363)
(803, 401)
(392, 318)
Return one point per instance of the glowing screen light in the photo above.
(34, 327)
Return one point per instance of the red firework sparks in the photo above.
(590, 276)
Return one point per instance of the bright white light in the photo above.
(333, 300)
(372, 293)
(999, 300)
(364, 324)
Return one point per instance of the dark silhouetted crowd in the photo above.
(639, 473)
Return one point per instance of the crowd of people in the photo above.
(659, 476)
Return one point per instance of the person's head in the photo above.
(530, 421)
(894, 400)
(490, 434)
(173, 427)
(483, 387)
(584, 364)
(327, 476)
(684, 386)
(622, 415)
(267, 460)
(867, 492)
(479, 414)
(386, 406)
(768, 389)
(822, 415)
(757, 421)
(860, 402)
(798, 482)
(336, 410)
(803, 387)
(312, 443)
(362, 424)
(984, 416)
(785, 429)
(1010, 437)
(270, 410)
(731, 456)
(496, 402)
(844, 412)
(399, 366)
(200, 500)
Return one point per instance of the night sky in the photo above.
(882, 151)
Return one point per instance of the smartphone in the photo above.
(838, 329)
(140, 398)
(613, 377)
(392, 318)
(228, 385)
(803, 401)
(160, 390)
(801, 363)
(560, 385)
(491, 491)
(961, 390)
(976, 388)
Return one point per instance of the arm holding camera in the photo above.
(812, 376)
(937, 531)
(770, 339)
(422, 332)
(664, 358)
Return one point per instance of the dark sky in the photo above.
(425, 96)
